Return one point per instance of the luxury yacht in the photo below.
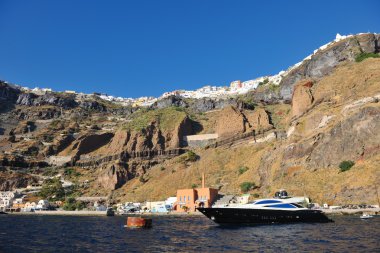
(281, 209)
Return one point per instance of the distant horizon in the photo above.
(129, 49)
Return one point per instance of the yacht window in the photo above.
(286, 205)
(269, 201)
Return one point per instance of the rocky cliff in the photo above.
(320, 65)
(293, 135)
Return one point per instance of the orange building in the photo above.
(18, 205)
(190, 199)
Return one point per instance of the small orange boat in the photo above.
(138, 222)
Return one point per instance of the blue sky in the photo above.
(144, 48)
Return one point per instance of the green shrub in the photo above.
(142, 179)
(80, 205)
(56, 125)
(71, 205)
(162, 168)
(71, 172)
(242, 169)
(52, 189)
(346, 165)
(363, 56)
(248, 101)
(191, 156)
(194, 186)
(272, 87)
(266, 80)
(246, 186)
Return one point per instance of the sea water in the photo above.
(38, 233)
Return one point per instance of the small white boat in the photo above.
(366, 216)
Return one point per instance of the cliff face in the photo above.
(15, 180)
(232, 121)
(323, 112)
(113, 176)
(8, 96)
(331, 120)
(320, 65)
(199, 105)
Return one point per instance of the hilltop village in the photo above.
(236, 87)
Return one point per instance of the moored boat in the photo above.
(110, 212)
(366, 216)
(265, 211)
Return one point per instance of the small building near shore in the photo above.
(155, 207)
(43, 204)
(190, 199)
(18, 203)
(29, 207)
(170, 202)
(6, 199)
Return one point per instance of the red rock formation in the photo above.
(232, 121)
(302, 98)
(113, 176)
(259, 120)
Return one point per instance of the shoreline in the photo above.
(346, 211)
(101, 213)
(375, 211)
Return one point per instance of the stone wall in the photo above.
(199, 140)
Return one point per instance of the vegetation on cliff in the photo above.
(363, 56)
(52, 190)
(166, 118)
(346, 165)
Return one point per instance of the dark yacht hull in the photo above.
(262, 216)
